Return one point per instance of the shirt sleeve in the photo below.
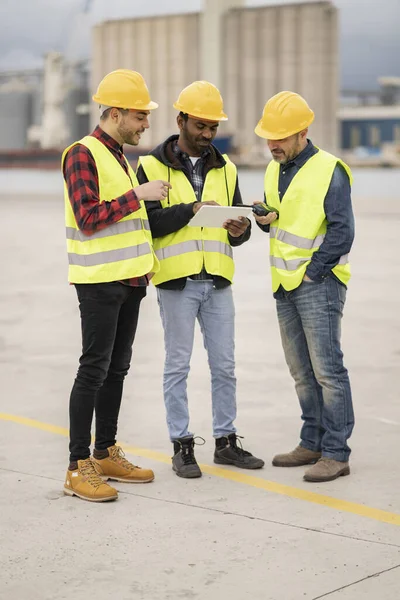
(81, 177)
(340, 227)
(264, 228)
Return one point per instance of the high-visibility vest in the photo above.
(120, 251)
(302, 224)
(185, 252)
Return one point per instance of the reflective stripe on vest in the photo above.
(122, 250)
(186, 251)
(108, 256)
(116, 229)
(294, 264)
(194, 246)
(296, 240)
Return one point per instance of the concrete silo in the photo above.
(164, 49)
(284, 47)
(15, 114)
(249, 53)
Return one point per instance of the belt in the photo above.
(202, 276)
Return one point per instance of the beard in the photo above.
(282, 157)
(128, 136)
(197, 144)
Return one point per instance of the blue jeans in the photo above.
(309, 319)
(215, 312)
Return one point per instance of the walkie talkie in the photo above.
(262, 210)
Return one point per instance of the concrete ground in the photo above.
(265, 535)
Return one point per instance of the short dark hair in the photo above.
(104, 116)
(184, 116)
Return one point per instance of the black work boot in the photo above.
(183, 462)
(227, 452)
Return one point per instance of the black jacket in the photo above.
(164, 221)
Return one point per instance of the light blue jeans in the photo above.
(309, 320)
(214, 309)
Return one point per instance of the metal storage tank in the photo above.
(37, 102)
(163, 49)
(77, 121)
(275, 48)
(15, 114)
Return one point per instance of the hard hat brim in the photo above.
(207, 119)
(198, 115)
(149, 106)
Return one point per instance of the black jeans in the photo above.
(109, 317)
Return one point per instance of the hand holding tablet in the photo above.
(213, 215)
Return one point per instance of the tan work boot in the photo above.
(327, 469)
(116, 467)
(85, 483)
(296, 458)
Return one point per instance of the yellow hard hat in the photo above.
(284, 114)
(124, 89)
(203, 100)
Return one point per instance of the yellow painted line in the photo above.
(257, 482)
(36, 424)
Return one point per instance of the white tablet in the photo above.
(215, 216)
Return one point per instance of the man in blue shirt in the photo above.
(309, 191)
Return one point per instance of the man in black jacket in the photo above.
(196, 272)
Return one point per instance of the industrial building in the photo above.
(374, 119)
(370, 124)
(249, 53)
(44, 108)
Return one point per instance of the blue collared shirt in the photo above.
(338, 210)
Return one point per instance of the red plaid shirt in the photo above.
(91, 215)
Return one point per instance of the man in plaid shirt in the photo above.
(109, 308)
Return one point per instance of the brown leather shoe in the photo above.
(296, 458)
(116, 467)
(85, 483)
(327, 469)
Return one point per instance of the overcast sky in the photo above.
(369, 31)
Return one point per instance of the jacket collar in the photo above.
(165, 154)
